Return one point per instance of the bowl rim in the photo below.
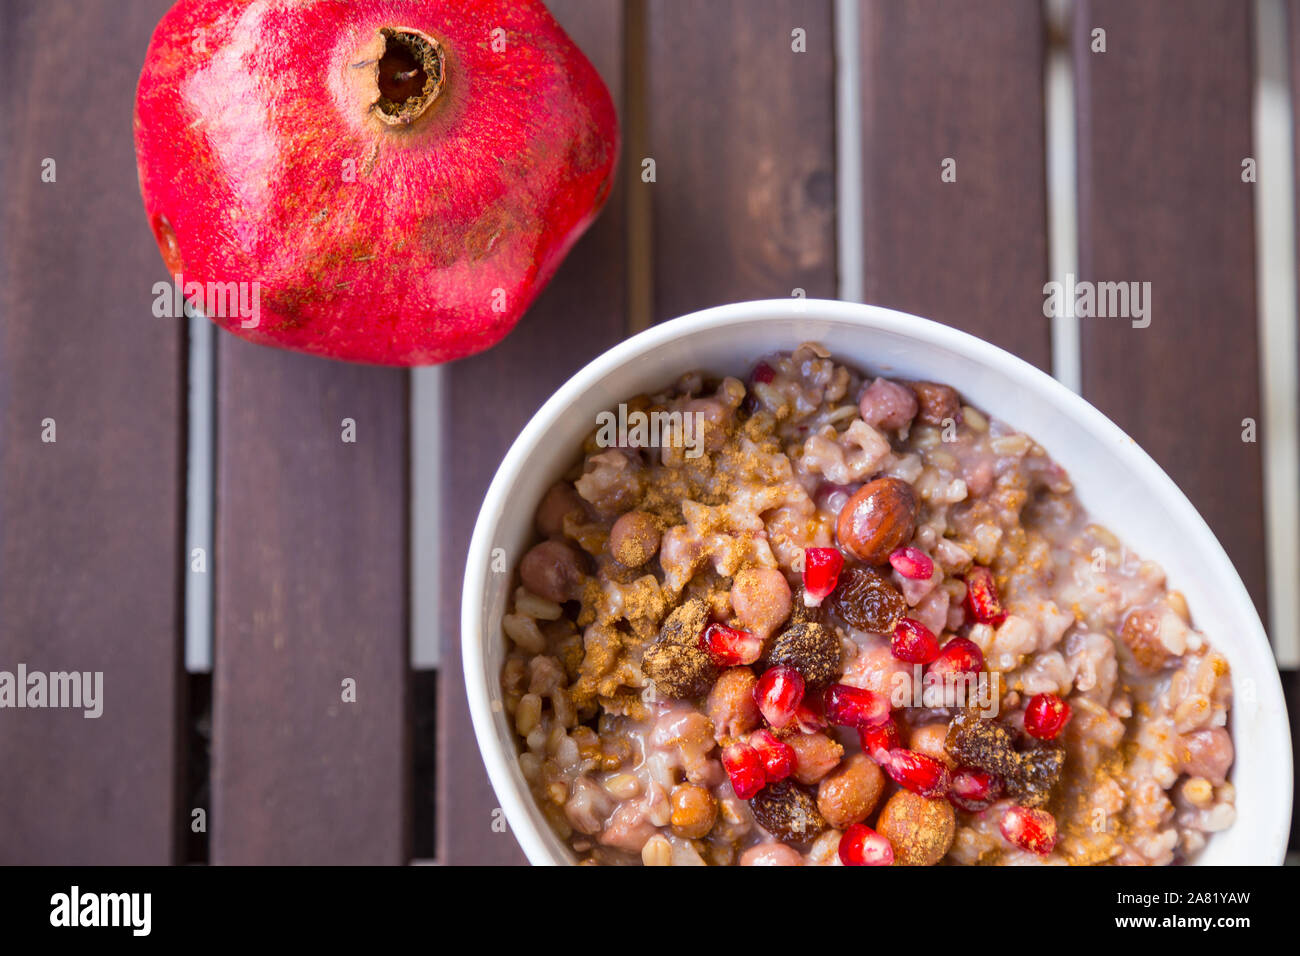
(920, 330)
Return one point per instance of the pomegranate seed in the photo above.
(959, 656)
(778, 694)
(878, 741)
(744, 766)
(914, 642)
(1045, 716)
(912, 563)
(1032, 830)
(777, 756)
(918, 772)
(730, 646)
(808, 720)
(974, 790)
(982, 599)
(821, 572)
(763, 373)
(862, 846)
(855, 707)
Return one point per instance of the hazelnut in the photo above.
(880, 517)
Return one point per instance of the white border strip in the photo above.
(1062, 194)
(201, 410)
(850, 248)
(426, 517)
(1275, 264)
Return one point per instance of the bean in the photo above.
(851, 792)
(552, 570)
(816, 755)
(560, 501)
(1206, 753)
(761, 599)
(731, 705)
(771, 854)
(693, 811)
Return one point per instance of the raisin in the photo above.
(1039, 770)
(684, 625)
(675, 662)
(679, 671)
(865, 599)
(809, 647)
(789, 812)
(1029, 775)
(975, 741)
(936, 403)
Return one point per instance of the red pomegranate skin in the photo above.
(250, 114)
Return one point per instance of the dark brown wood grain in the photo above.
(963, 82)
(1164, 120)
(741, 129)
(311, 590)
(487, 400)
(91, 551)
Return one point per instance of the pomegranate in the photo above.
(389, 182)
(974, 790)
(912, 563)
(778, 694)
(959, 657)
(913, 642)
(778, 757)
(821, 573)
(1029, 829)
(862, 846)
(744, 766)
(879, 740)
(850, 706)
(982, 600)
(730, 646)
(1046, 716)
(918, 772)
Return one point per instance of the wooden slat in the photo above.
(91, 558)
(1164, 124)
(311, 556)
(958, 81)
(488, 399)
(742, 131)
(1291, 679)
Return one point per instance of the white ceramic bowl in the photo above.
(1116, 480)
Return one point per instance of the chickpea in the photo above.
(919, 830)
(851, 792)
(761, 599)
(771, 854)
(929, 740)
(634, 539)
(731, 705)
(693, 811)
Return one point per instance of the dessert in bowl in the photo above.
(798, 584)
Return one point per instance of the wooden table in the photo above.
(755, 196)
